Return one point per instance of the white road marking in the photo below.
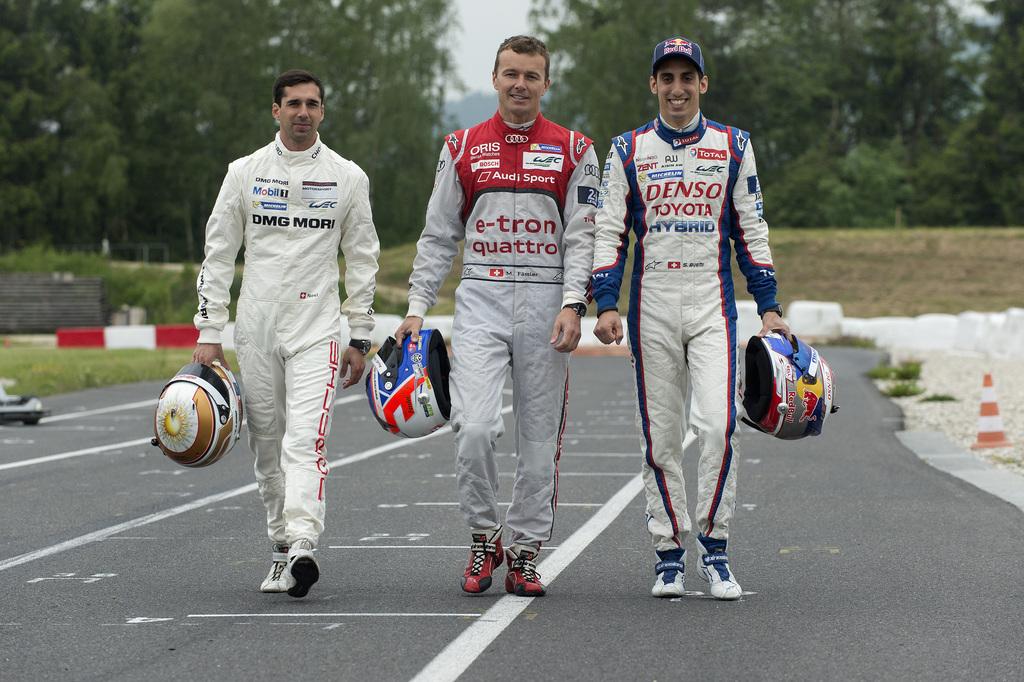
(456, 658)
(503, 504)
(109, 531)
(118, 446)
(145, 403)
(461, 547)
(512, 474)
(76, 453)
(333, 615)
(99, 410)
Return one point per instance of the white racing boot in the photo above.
(714, 567)
(670, 569)
(278, 579)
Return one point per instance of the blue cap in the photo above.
(677, 47)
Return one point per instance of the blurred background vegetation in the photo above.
(118, 117)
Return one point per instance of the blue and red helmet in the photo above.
(407, 385)
(788, 389)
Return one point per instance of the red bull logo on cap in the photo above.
(677, 45)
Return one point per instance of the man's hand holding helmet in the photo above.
(410, 326)
(208, 353)
(771, 321)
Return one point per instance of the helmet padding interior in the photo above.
(759, 383)
(439, 367)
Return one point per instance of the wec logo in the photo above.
(323, 204)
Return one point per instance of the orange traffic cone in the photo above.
(990, 424)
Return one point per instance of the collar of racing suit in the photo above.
(310, 152)
(689, 127)
(519, 126)
(691, 133)
(529, 128)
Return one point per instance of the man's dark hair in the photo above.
(295, 77)
(524, 45)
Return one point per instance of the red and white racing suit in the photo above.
(684, 196)
(293, 210)
(524, 202)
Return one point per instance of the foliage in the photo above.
(938, 398)
(168, 295)
(903, 389)
(118, 117)
(862, 112)
(905, 371)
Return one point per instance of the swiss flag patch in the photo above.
(497, 272)
(674, 265)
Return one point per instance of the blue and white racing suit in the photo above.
(684, 196)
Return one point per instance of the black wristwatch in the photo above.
(361, 345)
(579, 308)
(774, 309)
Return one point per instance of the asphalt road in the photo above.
(858, 560)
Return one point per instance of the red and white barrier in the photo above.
(147, 336)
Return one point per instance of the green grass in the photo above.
(903, 389)
(48, 371)
(871, 273)
(906, 371)
(938, 398)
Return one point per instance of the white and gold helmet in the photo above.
(199, 415)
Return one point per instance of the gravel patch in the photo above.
(960, 374)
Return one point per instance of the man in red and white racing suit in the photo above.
(685, 186)
(294, 203)
(522, 192)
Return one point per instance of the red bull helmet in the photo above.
(789, 389)
(407, 385)
(199, 415)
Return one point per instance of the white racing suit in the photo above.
(524, 202)
(684, 196)
(293, 210)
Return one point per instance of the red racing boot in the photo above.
(485, 555)
(523, 579)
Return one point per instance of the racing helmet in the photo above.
(788, 387)
(407, 386)
(199, 415)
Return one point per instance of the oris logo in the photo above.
(485, 148)
(513, 138)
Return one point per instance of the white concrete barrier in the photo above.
(130, 336)
(821, 319)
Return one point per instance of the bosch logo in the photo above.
(515, 138)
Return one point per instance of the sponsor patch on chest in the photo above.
(313, 190)
(542, 161)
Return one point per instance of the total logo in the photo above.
(709, 154)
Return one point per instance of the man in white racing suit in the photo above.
(685, 186)
(293, 202)
(522, 192)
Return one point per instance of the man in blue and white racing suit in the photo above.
(684, 186)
